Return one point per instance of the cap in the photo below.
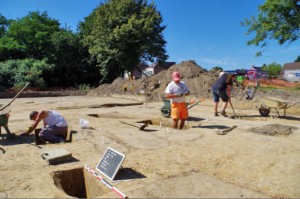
(176, 76)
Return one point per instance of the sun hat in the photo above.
(176, 76)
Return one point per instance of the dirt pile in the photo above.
(197, 79)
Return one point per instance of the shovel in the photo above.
(234, 115)
(225, 131)
(141, 127)
(2, 108)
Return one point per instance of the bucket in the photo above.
(4, 119)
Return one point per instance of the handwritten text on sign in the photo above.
(110, 163)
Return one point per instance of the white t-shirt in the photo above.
(173, 88)
(55, 119)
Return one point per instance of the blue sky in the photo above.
(207, 31)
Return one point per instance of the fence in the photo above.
(274, 83)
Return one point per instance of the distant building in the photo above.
(291, 71)
(148, 70)
(256, 73)
(136, 73)
(155, 68)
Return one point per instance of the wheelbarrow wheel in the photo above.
(264, 111)
(165, 111)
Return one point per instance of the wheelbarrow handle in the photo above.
(2, 108)
(191, 106)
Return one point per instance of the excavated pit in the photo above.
(274, 130)
(109, 105)
(78, 183)
(161, 122)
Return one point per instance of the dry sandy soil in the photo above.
(260, 158)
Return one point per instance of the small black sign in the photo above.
(110, 163)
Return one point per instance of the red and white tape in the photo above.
(105, 182)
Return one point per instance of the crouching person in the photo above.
(55, 126)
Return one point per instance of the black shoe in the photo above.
(71, 136)
(224, 114)
(216, 114)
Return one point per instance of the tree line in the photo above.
(115, 37)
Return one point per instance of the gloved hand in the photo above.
(26, 132)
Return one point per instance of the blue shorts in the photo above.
(220, 94)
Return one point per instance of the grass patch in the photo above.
(84, 87)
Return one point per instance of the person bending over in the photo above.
(55, 126)
(222, 89)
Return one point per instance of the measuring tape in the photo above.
(105, 182)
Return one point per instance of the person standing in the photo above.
(176, 92)
(222, 89)
(55, 126)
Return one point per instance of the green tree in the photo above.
(38, 37)
(217, 68)
(71, 60)
(274, 69)
(122, 33)
(277, 19)
(28, 37)
(16, 73)
(298, 59)
(4, 23)
(264, 67)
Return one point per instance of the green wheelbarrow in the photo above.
(4, 112)
(166, 109)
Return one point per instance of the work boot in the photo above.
(223, 114)
(216, 114)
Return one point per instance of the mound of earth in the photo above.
(197, 79)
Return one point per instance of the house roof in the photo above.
(255, 68)
(152, 65)
(291, 66)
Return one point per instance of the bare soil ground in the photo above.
(259, 158)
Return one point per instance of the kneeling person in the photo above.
(55, 126)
